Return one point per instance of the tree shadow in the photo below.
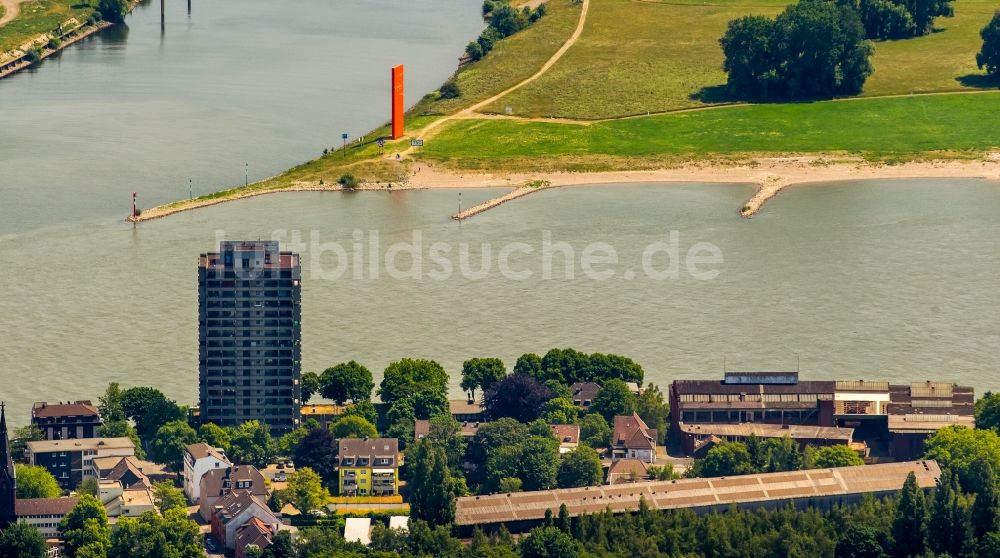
(981, 81)
(715, 94)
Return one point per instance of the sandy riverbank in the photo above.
(771, 175)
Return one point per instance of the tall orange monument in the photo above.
(397, 101)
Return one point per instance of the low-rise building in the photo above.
(199, 459)
(252, 534)
(627, 470)
(219, 483)
(71, 461)
(631, 438)
(466, 410)
(62, 421)
(583, 394)
(568, 435)
(695, 437)
(125, 470)
(324, 414)
(44, 514)
(234, 510)
(369, 467)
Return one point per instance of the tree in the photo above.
(23, 435)
(318, 451)
(353, 427)
(529, 364)
(481, 373)
(566, 365)
(492, 436)
(605, 367)
(364, 409)
(286, 444)
(311, 385)
(214, 435)
(548, 542)
(774, 455)
(305, 490)
(89, 485)
(832, 456)
(885, 19)
(984, 508)
(510, 484)
(170, 442)
(957, 448)
(989, 545)
(149, 409)
(517, 396)
(22, 540)
(989, 58)
(152, 536)
(580, 467)
(35, 482)
(814, 48)
(113, 10)
(109, 405)
(427, 404)
(282, 546)
(948, 526)
(595, 431)
(539, 463)
(432, 497)
(122, 429)
(450, 90)
(446, 433)
(167, 497)
(347, 381)
(925, 11)
(908, 523)
(859, 541)
(560, 410)
(614, 399)
(654, 410)
(408, 377)
(725, 459)
(251, 444)
(85, 525)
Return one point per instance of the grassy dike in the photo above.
(40, 16)
(644, 56)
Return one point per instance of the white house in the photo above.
(235, 510)
(199, 459)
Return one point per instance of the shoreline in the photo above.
(769, 175)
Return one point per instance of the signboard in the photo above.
(416, 143)
(344, 136)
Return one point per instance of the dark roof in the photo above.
(45, 506)
(716, 386)
(372, 448)
(233, 504)
(584, 391)
(82, 408)
(222, 481)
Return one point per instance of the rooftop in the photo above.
(266, 254)
(631, 432)
(695, 492)
(372, 448)
(770, 431)
(567, 433)
(464, 407)
(83, 408)
(201, 450)
(80, 444)
(45, 506)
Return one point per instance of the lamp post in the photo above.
(246, 174)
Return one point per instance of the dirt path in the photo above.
(11, 9)
(471, 111)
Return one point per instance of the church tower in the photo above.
(8, 478)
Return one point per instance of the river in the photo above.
(890, 280)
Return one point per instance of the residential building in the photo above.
(44, 514)
(249, 333)
(125, 501)
(8, 475)
(70, 461)
(583, 394)
(568, 435)
(466, 410)
(369, 467)
(219, 483)
(421, 429)
(627, 470)
(631, 438)
(234, 510)
(904, 415)
(199, 459)
(324, 414)
(252, 534)
(61, 421)
(818, 488)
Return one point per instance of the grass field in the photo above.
(40, 16)
(640, 56)
(511, 60)
(942, 125)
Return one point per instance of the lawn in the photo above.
(511, 60)
(640, 56)
(903, 127)
(40, 16)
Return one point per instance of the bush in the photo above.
(348, 181)
(113, 10)
(989, 56)
(34, 56)
(474, 50)
(54, 43)
(450, 90)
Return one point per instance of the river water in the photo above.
(887, 280)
